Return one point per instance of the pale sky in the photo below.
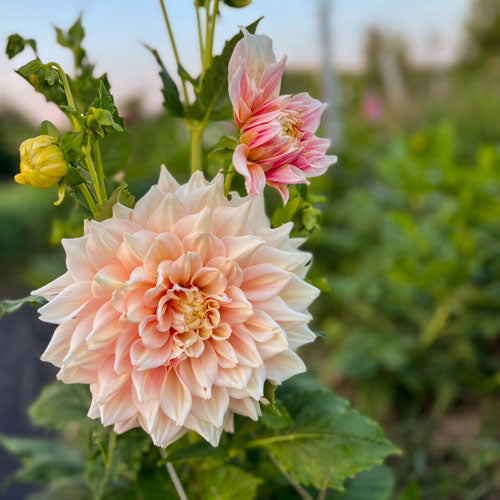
(116, 29)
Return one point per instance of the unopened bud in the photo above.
(42, 162)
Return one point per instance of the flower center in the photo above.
(291, 125)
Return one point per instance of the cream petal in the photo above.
(108, 279)
(212, 410)
(166, 247)
(77, 260)
(119, 408)
(263, 281)
(270, 348)
(145, 359)
(148, 383)
(125, 426)
(244, 348)
(175, 398)
(165, 431)
(184, 267)
(226, 356)
(166, 214)
(146, 205)
(122, 349)
(280, 312)
(299, 294)
(299, 335)
(134, 247)
(206, 430)
(292, 261)
(247, 407)
(67, 304)
(241, 247)
(236, 377)
(261, 326)
(110, 382)
(106, 326)
(185, 372)
(231, 221)
(50, 290)
(166, 181)
(230, 269)
(238, 310)
(122, 212)
(283, 366)
(210, 281)
(205, 244)
(188, 224)
(151, 336)
(59, 343)
(205, 369)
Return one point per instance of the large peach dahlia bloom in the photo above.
(177, 311)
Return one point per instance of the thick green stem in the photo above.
(100, 169)
(210, 35)
(88, 198)
(174, 48)
(196, 143)
(92, 171)
(69, 95)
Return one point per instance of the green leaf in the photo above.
(48, 128)
(320, 283)
(154, 481)
(120, 195)
(171, 100)
(72, 39)
(224, 148)
(328, 441)
(74, 177)
(213, 98)
(60, 404)
(43, 461)
(16, 44)
(72, 140)
(45, 81)
(376, 483)
(227, 483)
(115, 152)
(9, 306)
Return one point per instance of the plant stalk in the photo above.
(100, 169)
(196, 144)
(88, 198)
(229, 180)
(174, 48)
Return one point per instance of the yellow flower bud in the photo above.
(42, 162)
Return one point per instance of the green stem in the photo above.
(100, 169)
(174, 48)
(229, 180)
(88, 198)
(210, 35)
(69, 95)
(200, 38)
(196, 137)
(93, 174)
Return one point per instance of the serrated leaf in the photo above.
(60, 404)
(213, 96)
(16, 44)
(122, 195)
(376, 483)
(34, 73)
(48, 128)
(328, 441)
(172, 102)
(227, 483)
(10, 306)
(72, 140)
(115, 152)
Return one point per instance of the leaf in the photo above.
(227, 483)
(376, 483)
(213, 97)
(122, 195)
(328, 441)
(72, 39)
(115, 152)
(60, 404)
(44, 82)
(171, 102)
(16, 44)
(154, 481)
(74, 177)
(10, 306)
(43, 461)
(224, 148)
(48, 128)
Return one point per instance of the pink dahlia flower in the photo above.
(177, 311)
(277, 141)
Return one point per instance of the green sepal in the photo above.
(120, 195)
(48, 128)
(16, 44)
(9, 306)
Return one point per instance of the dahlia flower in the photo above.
(278, 145)
(177, 311)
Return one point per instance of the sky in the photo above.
(117, 29)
